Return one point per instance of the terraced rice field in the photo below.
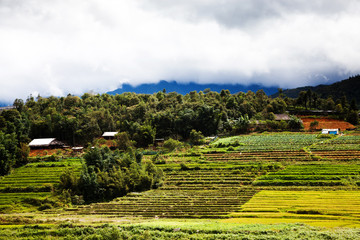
(336, 155)
(313, 175)
(264, 156)
(215, 184)
(343, 143)
(198, 193)
(287, 206)
(38, 174)
(34, 180)
(269, 142)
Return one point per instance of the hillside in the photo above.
(182, 88)
(349, 87)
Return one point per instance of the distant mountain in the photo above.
(349, 87)
(182, 88)
(4, 104)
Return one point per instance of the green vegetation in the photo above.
(176, 230)
(188, 192)
(31, 187)
(313, 175)
(188, 188)
(267, 142)
(323, 208)
(108, 174)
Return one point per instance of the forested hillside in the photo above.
(349, 87)
(141, 118)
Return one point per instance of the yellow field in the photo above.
(317, 208)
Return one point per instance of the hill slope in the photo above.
(349, 87)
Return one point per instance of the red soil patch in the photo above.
(44, 152)
(327, 123)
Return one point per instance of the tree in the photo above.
(171, 145)
(196, 137)
(123, 141)
(353, 117)
(241, 125)
(314, 125)
(295, 123)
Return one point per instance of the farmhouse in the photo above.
(77, 149)
(46, 143)
(282, 117)
(330, 131)
(109, 135)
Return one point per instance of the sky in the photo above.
(75, 46)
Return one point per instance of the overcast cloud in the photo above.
(61, 46)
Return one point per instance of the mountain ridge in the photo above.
(182, 88)
(349, 87)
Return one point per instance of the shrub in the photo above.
(184, 167)
(196, 137)
(171, 145)
(45, 206)
(326, 136)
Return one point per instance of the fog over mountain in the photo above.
(61, 46)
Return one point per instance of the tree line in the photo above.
(141, 118)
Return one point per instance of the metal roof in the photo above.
(41, 142)
(109, 134)
(282, 116)
(325, 131)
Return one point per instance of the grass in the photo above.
(176, 230)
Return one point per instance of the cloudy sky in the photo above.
(73, 46)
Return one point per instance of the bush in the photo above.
(231, 149)
(45, 206)
(171, 145)
(108, 174)
(326, 136)
(196, 137)
(184, 167)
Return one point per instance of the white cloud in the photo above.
(62, 46)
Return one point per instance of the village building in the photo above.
(109, 135)
(282, 117)
(335, 131)
(46, 143)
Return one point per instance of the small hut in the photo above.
(335, 131)
(47, 143)
(282, 117)
(109, 135)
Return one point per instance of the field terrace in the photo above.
(215, 182)
(259, 178)
(31, 182)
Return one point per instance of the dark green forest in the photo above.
(141, 118)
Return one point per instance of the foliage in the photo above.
(123, 141)
(173, 230)
(196, 137)
(171, 145)
(314, 125)
(108, 174)
(295, 123)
